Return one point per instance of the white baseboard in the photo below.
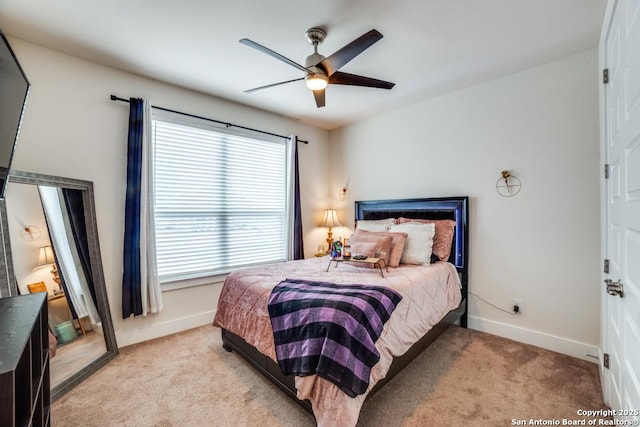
(163, 328)
(536, 338)
(527, 336)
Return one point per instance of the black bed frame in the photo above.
(455, 208)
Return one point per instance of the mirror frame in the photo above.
(8, 282)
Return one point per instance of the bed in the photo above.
(417, 321)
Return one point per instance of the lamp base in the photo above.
(329, 240)
(56, 278)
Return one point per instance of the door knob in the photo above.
(614, 288)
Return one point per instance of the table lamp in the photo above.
(330, 219)
(46, 258)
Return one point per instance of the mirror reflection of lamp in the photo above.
(45, 259)
(330, 219)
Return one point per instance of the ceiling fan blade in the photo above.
(319, 96)
(334, 62)
(340, 78)
(269, 52)
(272, 85)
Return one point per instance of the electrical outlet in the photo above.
(516, 305)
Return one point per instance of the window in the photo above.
(220, 199)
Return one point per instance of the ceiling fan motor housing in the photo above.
(316, 77)
(313, 60)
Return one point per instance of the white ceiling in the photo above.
(429, 46)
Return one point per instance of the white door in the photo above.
(620, 54)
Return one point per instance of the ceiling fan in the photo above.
(321, 71)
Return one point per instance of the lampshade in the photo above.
(45, 256)
(330, 219)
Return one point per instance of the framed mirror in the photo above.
(50, 243)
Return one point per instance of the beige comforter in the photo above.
(428, 294)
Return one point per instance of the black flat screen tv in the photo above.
(14, 88)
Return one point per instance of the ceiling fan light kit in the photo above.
(317, 81)
(321, 71)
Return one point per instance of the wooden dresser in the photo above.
(24, 361)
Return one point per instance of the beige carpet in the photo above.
(465, 378)
(75, 355)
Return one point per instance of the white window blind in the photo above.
(220, 200)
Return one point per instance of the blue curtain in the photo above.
(74, 203)
(63, 284)
(298, 247)
(131, 293)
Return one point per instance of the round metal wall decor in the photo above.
(508, 185)
(30, 232)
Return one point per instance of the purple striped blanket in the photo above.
(329, 329)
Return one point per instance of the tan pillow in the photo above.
(363, 248)
(397, 244)
(382, 244)
(445, 229)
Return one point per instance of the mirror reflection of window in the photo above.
(66, 252)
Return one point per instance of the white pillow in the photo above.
(417, 249)
(375, 224)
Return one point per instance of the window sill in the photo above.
(189, 283)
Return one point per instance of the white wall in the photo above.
(541, 246)
(72, 129)
(25, 210)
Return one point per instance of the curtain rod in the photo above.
(227, 124)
